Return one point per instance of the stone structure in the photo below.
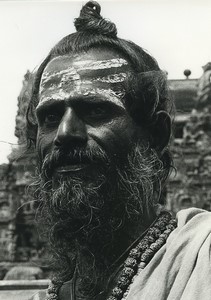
(189, 186)
(192, 143)
(8, 209)
(19, 240)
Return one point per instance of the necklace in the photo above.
(139, 256)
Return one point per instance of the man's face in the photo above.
(81, 106)
(97, 171)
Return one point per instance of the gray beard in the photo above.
(89, 222)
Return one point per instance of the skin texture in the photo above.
(82, 104)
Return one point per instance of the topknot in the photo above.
(90, 20)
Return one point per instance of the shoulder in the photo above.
(193, 228)
(194, 221)
(194, 216)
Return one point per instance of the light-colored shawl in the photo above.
(180, 270)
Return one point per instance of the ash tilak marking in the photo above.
(100, 64)
(79, 77)
(86, 65)
(76, 80)
(113, 78)
(70, 72)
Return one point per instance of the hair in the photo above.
(146, 90)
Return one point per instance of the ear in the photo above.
(161, 130)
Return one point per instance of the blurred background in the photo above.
(176, 33)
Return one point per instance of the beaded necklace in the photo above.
(139, 256)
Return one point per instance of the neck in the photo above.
(97, 261)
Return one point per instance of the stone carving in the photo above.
(23, 100)
(197, 131)
(193, 152)
(204, 88)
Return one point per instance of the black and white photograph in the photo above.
(105, 150)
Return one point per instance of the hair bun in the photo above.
(90, 20)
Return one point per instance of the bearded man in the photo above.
(99, 116)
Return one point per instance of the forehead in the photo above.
(91, 55)
(95, 72)
(92, 60)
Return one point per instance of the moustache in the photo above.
(60, 158)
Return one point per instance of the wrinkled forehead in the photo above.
(71, 76)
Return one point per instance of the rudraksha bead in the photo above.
(170, 227)
(143, 245)
(173, 222)
(155, 246)
(150, 231)
(123, 282)
(163, 236)
(160, 242)
(146, 256)
(112, 298)
(167, 231)
(135, 253)
(156, 232)
(117, 292)
(149, 252)
(142, 265)
(151, 239)
(128, 272)
(130, 262)
(53, 288)
(160, 225)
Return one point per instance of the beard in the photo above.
(89, 217)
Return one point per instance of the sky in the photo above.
(176, 32)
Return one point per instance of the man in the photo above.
(99, 116)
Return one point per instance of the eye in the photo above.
(52, 118)
(97, 111)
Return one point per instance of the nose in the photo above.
(71, 131)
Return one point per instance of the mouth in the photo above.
(72, 168)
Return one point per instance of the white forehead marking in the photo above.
(69, 74)
(65, 83)
(60, 95)
(46, 76)
(113, 78)
(100, 64)
(85, 65)
(75, 80)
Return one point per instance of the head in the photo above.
(99, 117)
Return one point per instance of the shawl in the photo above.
(181, 269)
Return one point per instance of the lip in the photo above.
(71, 168)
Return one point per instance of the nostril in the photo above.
(70, 140)
(57, 142)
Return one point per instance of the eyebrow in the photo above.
(43, 106)
(88, 100)
(115, 96)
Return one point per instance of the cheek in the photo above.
(44, 144)
(117, 137)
